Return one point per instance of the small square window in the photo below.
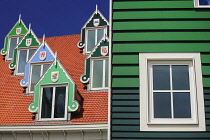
(53, 103)
(202, 3)
(94, 35)
(13, 41)
(171, 92)
(99, 74)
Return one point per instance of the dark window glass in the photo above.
(97, 73)
(31, 52)
(204, 2)
(36, 70)
(100, 34)
(91, 40)
(162, 105)
(161, 77)
(180, 77)
(12, 45)
(22, 61)
(60, 97)
(47, 102)
(45, 68)
(182, 107)
(106, 72)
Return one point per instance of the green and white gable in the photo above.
(98, 53)
(56, 75)
(13, 38)
(28, 46)
(94, 29)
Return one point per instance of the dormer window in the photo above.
(99, 77)
(94, 29)
(94, 35)
(37, 70)
(23, 56)
(13, 41)
(53, 103)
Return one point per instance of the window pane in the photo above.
(20, 38)
(12, 45)
(161, 73)
(35, 75)
(60, 97)
(106, 72)
(182, 107)
(204, 2)
(31, 52)
(90, 40)
(100, 34)
(45, 68)
(47, 102)
(162, 105)
(180, 77)
(22, 61)
(97, 73)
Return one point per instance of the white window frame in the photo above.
(53, 102)
(8, 52)
(96, 35)
(91, 75)
(197, 122)
(41, 73)
(27, 57)
(196, 5)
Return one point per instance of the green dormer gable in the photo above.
(18, 31)
(94, 29)
(100, 51)
(56, 75)
(29, 41)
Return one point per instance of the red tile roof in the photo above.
(14, 103)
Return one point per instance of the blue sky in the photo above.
(49, 17)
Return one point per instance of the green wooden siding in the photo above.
(153, 26)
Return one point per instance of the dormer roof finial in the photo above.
(19, 18)
(96, 8)
(43, 39)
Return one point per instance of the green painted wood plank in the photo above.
(162, 36)
(125, 82)
(125, 91)
(161, 47)
(126, 121)
(125, 128)
(127, 103)
(207, 102)
(206, 82)
(160, 25)
(125, 70)
(125, 59)
(125, 109)
(152, 4)
(125, 96)
(206, 70)
(161, 135)
(205, 58)
(207, 115)
(207, 96)
(126, 115)
(208, 122)
(207, 109)
(166, 14)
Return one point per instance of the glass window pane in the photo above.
(161, 73)
(182, 107)
(22, 61)
(100, 34)
(97, 73)
(47, 102)
(162, 105)
(90, 40)
(12, 45)
(35, 75)
(180, 77)
(106, 72)
(60, 97)
(20, 38)
(31, 52)
(45, 68)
